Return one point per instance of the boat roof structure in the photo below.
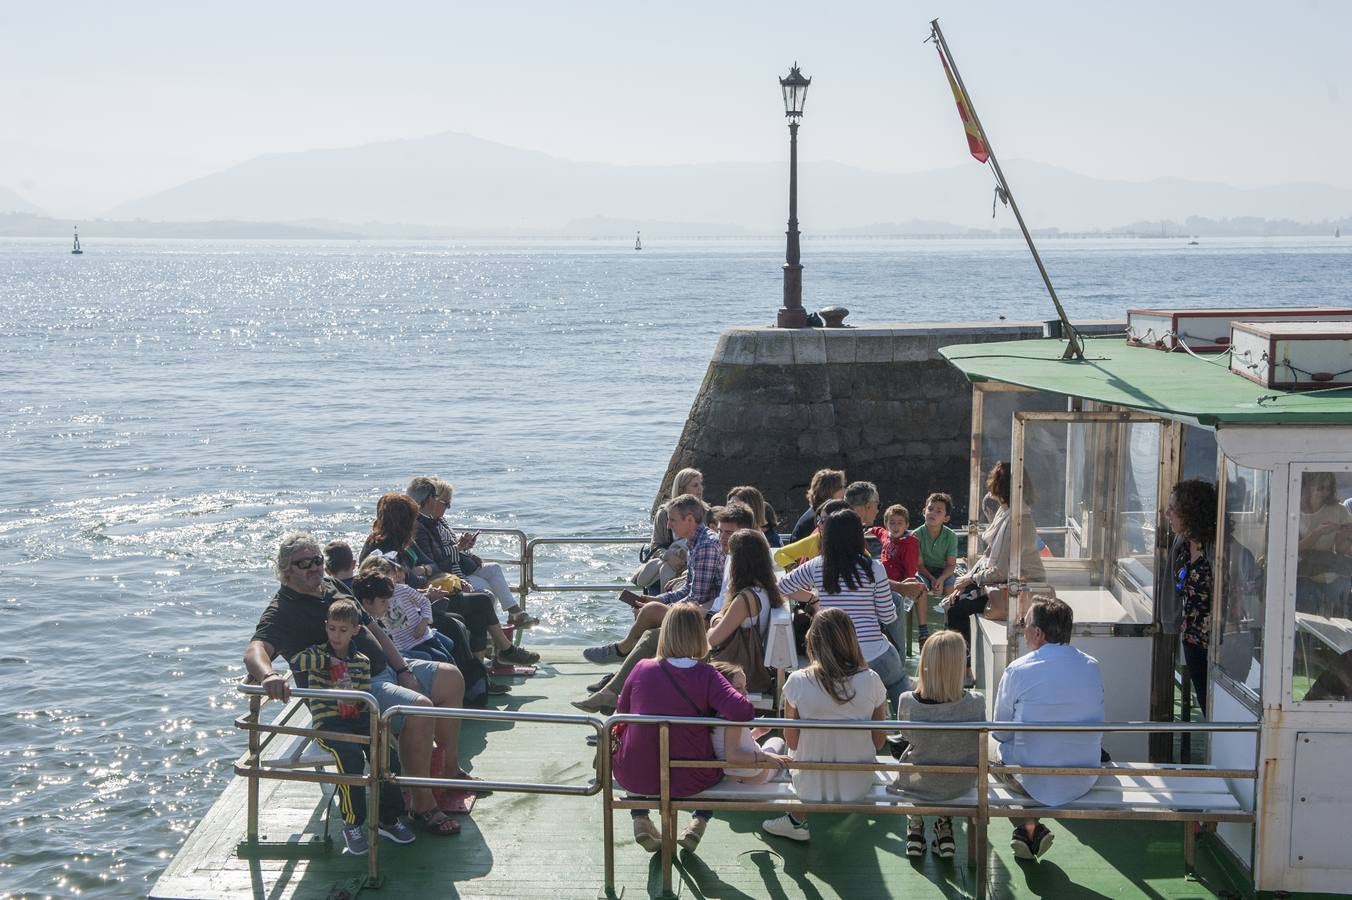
(1181, 386)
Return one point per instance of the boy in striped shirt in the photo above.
(338, 665)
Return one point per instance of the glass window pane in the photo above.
(1322, 656)
(1243, 560)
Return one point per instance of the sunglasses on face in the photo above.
(306, 565)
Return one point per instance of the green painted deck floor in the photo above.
(527, 846)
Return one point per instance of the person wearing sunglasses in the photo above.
(294, 620)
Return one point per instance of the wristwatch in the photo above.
(402, 671)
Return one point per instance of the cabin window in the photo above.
(1322, 654)
(1244, 540)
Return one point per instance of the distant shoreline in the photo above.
(27, 225)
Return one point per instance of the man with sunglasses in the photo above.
(294, 620)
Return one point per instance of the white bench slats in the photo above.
(1114, 790)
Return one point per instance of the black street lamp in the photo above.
(791, 314)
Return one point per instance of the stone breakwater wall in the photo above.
(877, 401)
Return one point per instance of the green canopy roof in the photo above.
(1175, 385)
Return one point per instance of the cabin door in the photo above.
(1093, 485)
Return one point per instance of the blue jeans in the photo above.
(890, 669)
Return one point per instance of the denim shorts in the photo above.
(388, 692)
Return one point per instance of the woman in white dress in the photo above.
(837, 684)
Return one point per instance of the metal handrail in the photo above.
(494, 715)
(556, 541)
(980, 814)
(250, 764)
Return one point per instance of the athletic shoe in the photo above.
(944, 845)
(646, 834)
(354, 836)
(1034, 847)
(786, 828)
(397, 831)
(693, 832)
(606, 653)
(915, 836)
(518, 656)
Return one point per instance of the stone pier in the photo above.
(877, 401)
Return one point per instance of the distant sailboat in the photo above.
(76, 248)
(638, 240)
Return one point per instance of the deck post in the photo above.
(983, 809)
(251, 828)
(375, 775)
(667, 815)
(603, 746)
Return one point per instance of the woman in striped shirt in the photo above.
(844, 576)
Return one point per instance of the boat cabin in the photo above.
(1095, 447)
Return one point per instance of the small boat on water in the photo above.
(76, 249)
(638, 240)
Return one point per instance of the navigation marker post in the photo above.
(981, 150)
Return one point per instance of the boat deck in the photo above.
(527, 846)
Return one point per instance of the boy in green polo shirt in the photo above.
(938, 545)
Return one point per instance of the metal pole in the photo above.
(604, 748)
(1073, 348)
(667, 815)
(983, 813)
(375, 774)
(791, 314)
(251, 827)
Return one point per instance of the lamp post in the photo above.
(791, 314)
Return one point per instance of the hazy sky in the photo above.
(106, 102)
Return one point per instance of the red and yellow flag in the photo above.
(974, 142)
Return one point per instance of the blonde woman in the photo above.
(687, 481)
(938, 697)
(837, 684)
(676, 683)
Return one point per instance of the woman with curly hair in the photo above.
(1191, 514)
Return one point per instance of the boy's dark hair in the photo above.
(1054, 617)
(372, 586)
(338, 557)
(737, 513)
(344, 610)
(943, 498)
(899, 511)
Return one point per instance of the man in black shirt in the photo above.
(294, 620)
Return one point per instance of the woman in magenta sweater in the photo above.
(676, 683)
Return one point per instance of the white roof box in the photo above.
(1293, 355)
(1208, 330)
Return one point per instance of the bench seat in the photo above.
(1118, 789)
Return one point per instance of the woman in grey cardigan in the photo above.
(938, 697)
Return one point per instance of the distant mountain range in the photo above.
(461, 182)
(452, 184)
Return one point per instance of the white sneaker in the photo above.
(786, 828)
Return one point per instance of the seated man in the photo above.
(1053, 682)
(704, 580)
(294, 620)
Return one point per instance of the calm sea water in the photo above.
(171, 408)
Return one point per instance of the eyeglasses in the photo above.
(306, 565)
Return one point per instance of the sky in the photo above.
(101, 103)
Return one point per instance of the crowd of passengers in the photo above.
(413, 619)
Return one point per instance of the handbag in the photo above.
(746, 648)
(469, 562)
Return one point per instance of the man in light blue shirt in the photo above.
(1053, 682)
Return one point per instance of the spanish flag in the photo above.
(974, 142)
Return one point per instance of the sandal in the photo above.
(462, 775)
(523, 619)
(434, 821)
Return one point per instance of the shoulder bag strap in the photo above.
(680, 690)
